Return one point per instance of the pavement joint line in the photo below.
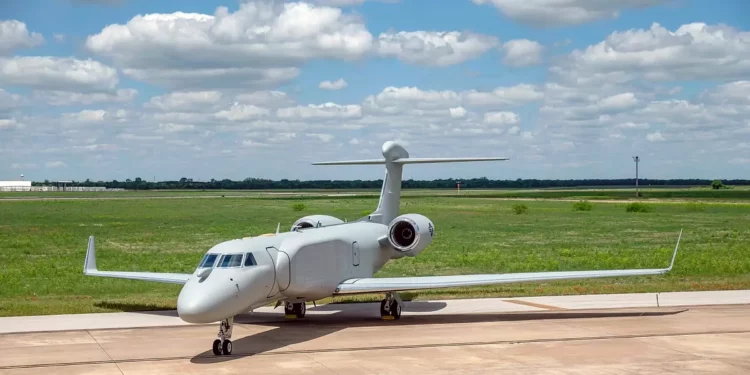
(392, 347)
(534, 304)
(105, 352)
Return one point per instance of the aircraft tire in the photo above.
(383, 311)
(226, 349)
(217, 347)
(396, 310)
(300, 309)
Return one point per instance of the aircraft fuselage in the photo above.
(296, 266)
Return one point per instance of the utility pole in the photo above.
(636, 159)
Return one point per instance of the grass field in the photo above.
(736, 193)
(42, 245)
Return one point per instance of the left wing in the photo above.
(394, 284)
(89, 268)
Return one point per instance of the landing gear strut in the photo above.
(390, 306)
(295, 310)
(223, 342)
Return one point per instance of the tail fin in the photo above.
(395, 156)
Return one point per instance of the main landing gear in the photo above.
(390, 306)
(223, 342)
(294, 310)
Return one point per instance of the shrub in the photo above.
(298, 206)
(519, 208)
(637, 207)
(583, 206)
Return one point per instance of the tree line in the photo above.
(451, 183)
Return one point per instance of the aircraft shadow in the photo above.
(287, 332)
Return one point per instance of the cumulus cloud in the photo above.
(270, 99)
(548, 13)
(503, 96)
(64, 98)
(434, 48)
(262, 42)
(501, 118)
(9, 101)
(15, 35)
(322, 111)
(333, 85)
(655, 136)
(10, 123)
(658, 54)
(522, 52)
(185, 101)
(243, 112)
(58, 73)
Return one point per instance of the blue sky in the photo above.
(567, 89)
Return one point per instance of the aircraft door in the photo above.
(355, 253)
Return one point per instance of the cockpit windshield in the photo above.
(230, 260)
(208, 261)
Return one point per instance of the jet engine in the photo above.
(410, 233)
(315, 221)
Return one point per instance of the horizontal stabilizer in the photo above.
(410, 161)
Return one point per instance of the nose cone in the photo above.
(199, 304)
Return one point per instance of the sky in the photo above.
(567, 89)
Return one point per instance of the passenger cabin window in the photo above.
(250, 260)
(230, 260)
(208, 260)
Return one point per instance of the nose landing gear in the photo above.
(223, 342)
(390, 307)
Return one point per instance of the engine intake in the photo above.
(315, 221)
(411, 233)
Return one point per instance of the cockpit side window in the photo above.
(250, 260)
(230, 260)
(208, 260)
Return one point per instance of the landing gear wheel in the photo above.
(223, 342)
(390, 307)
(217, 347)
(395, 310)
(226, 348)
(385, 309)
(300, 309)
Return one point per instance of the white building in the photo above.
(15, 185)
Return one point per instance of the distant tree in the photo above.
(717, 184)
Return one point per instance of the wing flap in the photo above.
(395, 284)
(89, 269)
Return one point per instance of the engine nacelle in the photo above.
(315, 221)
(411, 233)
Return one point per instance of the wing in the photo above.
(89, 269)
(394, 284)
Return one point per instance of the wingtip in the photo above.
(89, 263)
(674, 254)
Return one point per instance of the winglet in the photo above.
(89, 264)
(674, 255)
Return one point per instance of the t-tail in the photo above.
(395, 156)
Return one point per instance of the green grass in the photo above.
(42, 245)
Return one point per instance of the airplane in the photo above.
(322, 256)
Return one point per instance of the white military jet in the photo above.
(322, 256)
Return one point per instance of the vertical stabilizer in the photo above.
(395, 156)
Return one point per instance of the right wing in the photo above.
(395, 284)
(89, 268)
